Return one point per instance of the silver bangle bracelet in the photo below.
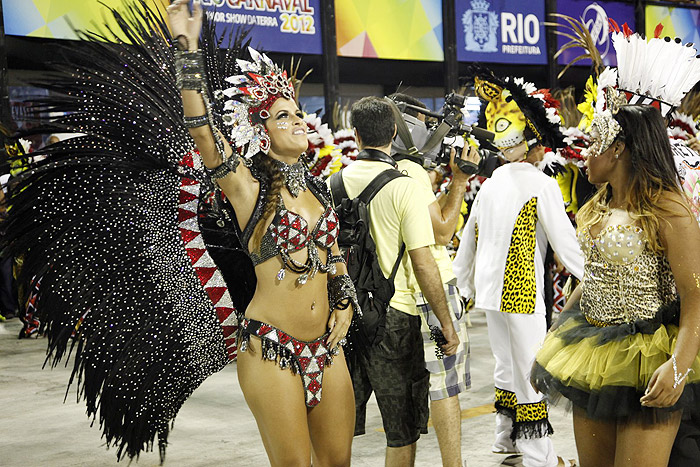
(342, 294)
(229, 165)
(195, 122)
(677, 377)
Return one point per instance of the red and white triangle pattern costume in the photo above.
(209, 275)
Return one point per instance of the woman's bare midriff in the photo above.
(299, 310)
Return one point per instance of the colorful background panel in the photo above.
(391, 29)
(55, 19)
(678, 22)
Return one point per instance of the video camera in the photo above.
(437, 139)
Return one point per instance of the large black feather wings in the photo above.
(113, 224)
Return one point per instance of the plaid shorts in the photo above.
(449, 375)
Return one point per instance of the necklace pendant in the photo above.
(294, 177)
(302, 279)
(280, 274)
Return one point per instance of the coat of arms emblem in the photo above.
(480, 27)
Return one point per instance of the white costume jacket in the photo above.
(500, 260)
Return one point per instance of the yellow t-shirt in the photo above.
(397, 215)
(442, 257)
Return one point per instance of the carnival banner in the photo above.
(391, 29)
(595, 16)
(275, 25)
(501, 31)
(291, 26)
(56, 19)
(678, 22)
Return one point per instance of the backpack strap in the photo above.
(402, 250)
(338, 192)
(378, 183)
(370, 191)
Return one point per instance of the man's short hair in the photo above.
(373, 120)
(400, 97)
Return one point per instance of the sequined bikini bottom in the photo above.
(307, 359)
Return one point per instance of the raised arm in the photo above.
(213, 147)
(445, 212)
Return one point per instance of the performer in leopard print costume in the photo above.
(517, 213)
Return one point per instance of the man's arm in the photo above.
(428, 276)
(445, 212)
(464, 262)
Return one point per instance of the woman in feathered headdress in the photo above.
(626, 355)
(150, 276)
(302, 307)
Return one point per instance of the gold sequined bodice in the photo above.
(623, 279)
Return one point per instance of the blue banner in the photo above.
(501, 31)
(595, 16)
(291, 26)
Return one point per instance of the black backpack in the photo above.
(374, 291)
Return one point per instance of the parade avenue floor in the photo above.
(214, 427)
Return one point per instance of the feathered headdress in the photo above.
(656, 72)
(254, 91)
(579, 37)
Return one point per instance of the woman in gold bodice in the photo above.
(626, 355)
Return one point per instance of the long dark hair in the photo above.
(652, 172)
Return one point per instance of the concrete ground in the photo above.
(214, 427)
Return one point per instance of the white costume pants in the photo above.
(522, 412)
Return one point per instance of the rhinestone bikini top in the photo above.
(289, 232)
(624, 280)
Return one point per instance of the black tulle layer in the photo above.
(667, 314)
(612, 402)
(605, 370)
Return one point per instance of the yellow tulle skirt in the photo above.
(605, 370)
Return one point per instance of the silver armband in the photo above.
(189, 70)
(194, 122)
(342, 294)
(229, 165)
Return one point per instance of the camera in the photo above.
(430, 144)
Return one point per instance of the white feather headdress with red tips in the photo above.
(323, 155)
(656, 71)
(345, 141)
(328, 151)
